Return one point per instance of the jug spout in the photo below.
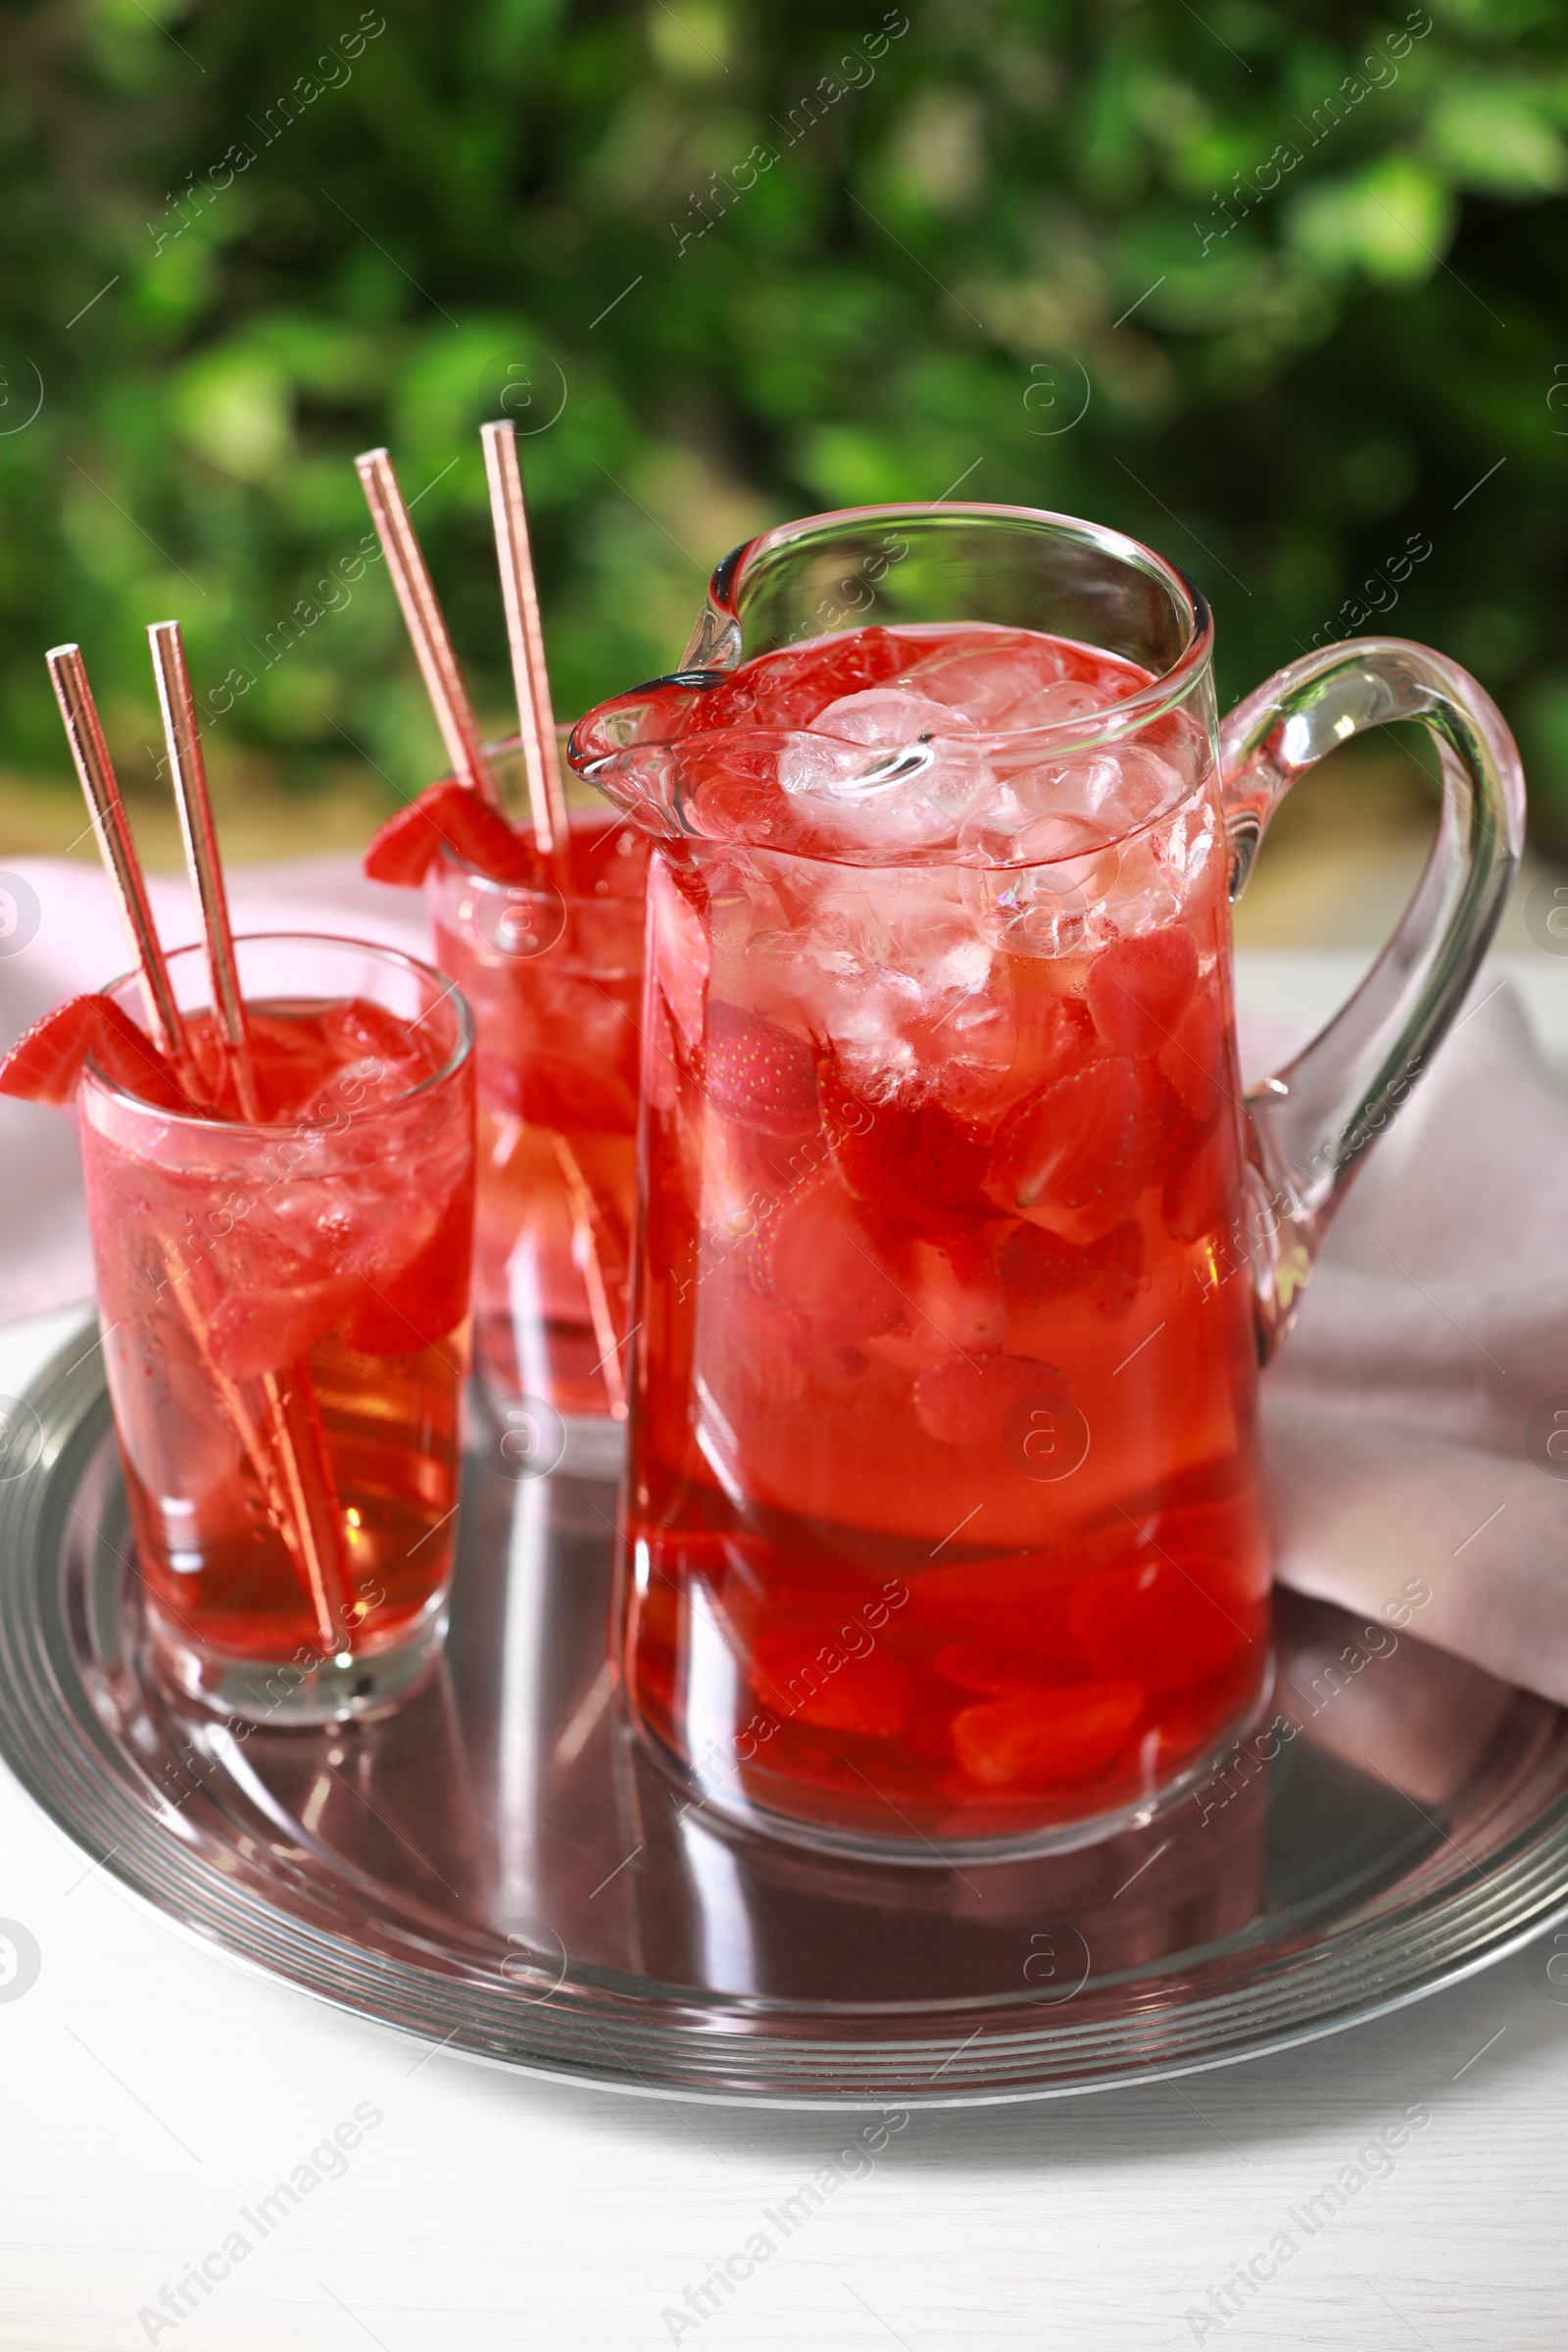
(626, 750)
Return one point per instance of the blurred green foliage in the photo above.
(725, 263)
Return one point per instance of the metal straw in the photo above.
(182, 737)
(600, 1256)
(315, 1507)
(315, 1513)
(427, 630)
(508, 514)
(101, 787)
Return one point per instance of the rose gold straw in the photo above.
(509, 516)
(599, 1254)
(188, 769)
(101, 788)
(123, 868)
(427, 630)
(293, 1414)
(536, 724)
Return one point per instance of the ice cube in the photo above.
(1147, 787)
(1033, 841)
(888, 715)
(881, 803)
(1065, 808)
(990, 681)
(1060, 906)
(874, 959)
(900, 790)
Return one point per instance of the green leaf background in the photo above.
(239, 243)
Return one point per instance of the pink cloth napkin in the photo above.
(1408, 1416)
(1396, 1419)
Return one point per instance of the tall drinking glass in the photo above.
(959, 1248)
(555, 983)
(285, 1321)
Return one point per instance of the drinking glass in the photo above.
(285, 1324)
(555, 983)
(960, 1249)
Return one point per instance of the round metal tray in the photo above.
(495, 1868)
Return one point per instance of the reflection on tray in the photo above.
(502, 1826)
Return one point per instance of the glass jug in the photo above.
(960, 1249)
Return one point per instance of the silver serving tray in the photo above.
(497, 1869)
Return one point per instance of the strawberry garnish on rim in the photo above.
(449, 816)
(45, 1065)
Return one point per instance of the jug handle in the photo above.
(1309, 1125)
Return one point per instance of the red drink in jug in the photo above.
(946, 1515)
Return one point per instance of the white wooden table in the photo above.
(153, 2097)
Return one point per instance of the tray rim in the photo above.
(68, 1397)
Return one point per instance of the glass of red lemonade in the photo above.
(960, 1249)
(286, 1318)
(554, 979)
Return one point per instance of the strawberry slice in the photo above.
(1036, 1266)
(46, 1065)
(1160, 1125)
(966, 1400)
(809, 1678)
(1166, 1621)
(448, 816)
(1138, 989)
(1073, 1142)
(1035, 1737)
(1193, 1058)
(816, 1256)
(1197, 1198)
(1116, 1269)
(912, 1159)
(1055, 1034)
(759, 1072)
(426, 1298)
(953, 1293)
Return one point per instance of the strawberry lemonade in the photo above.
(554, 985)
(945, 1519)
(284, 1307)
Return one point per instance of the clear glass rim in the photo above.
(738, 571)
(731, 578)
(721, 632)
(204, 1123)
